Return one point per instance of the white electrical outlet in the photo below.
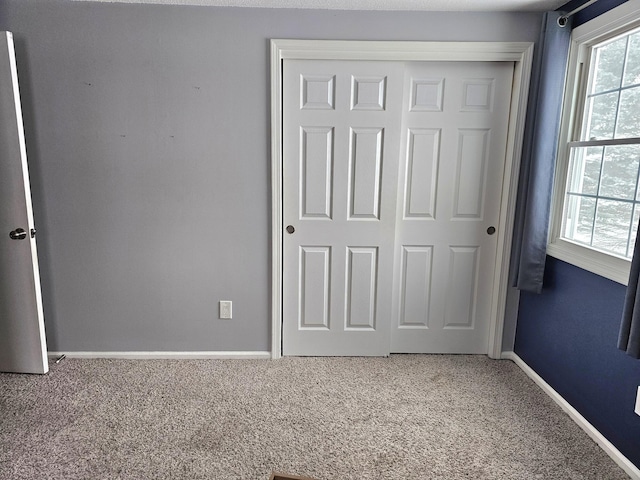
(225, 308)
(637, 410)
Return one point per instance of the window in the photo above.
(597, 195)
(602, 200)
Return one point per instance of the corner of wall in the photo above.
(510, 319)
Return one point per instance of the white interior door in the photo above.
(453, 156)
(341, 139)
(392, 181)
(22, 337)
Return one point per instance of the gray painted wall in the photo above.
(148, 142)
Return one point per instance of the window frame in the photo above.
(608, 25)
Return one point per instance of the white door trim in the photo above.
(520, 53)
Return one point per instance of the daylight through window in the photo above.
(602, 198)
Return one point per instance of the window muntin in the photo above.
(602, 199)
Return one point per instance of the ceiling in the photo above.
(422, 5)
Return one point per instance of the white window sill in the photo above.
(608, 266)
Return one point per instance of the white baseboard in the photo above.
(165, 355)
(622, 461)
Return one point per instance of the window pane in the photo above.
(584, 170)
(611, 229)
(620, 172)
(632, 69)
(608, 66)
(602, 199)
(629, 114)
(601, 116)
(579, 214)
(634, 231)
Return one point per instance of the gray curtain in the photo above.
(629, 337)
(540, 145)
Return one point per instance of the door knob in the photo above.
(290, 229)
(491, 230)
(18, 234)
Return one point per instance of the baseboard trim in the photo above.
(165, 355)
(615, 454)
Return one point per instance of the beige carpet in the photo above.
(404, 417)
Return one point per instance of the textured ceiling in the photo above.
(425, 5)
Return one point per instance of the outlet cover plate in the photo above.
(637, 410)
(225, 309)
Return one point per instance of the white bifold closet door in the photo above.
(392, 184)
(453, 154)
(341, 143)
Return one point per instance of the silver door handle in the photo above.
(18, 234)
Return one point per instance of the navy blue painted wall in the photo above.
(590, 12)
(568, 335)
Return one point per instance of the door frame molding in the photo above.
(520, 53)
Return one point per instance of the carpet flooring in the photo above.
(409, 417)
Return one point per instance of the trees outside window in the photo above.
(597, 192)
